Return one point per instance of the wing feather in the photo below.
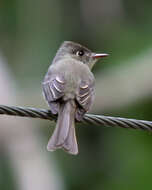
(84, 98)
(53, 89)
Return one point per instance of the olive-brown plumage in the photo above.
(68, 87)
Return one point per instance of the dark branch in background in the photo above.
(101, 120)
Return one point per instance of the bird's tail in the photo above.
(64, 133)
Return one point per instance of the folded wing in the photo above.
(84, 98)
(53, 90)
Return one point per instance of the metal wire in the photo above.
(101, 120)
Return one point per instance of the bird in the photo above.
(69, 89)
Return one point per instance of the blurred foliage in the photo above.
(7, 179)
(30, 33)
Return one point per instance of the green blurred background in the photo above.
(31, 32)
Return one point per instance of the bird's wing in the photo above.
(84, 98)
(53, 89)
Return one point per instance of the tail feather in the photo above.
(64, 133)
(70, 145)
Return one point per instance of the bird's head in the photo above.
(76, 51)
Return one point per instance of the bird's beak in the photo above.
(99, 55)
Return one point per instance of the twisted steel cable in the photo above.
(101, 120)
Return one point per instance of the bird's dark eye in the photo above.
(80, 53)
